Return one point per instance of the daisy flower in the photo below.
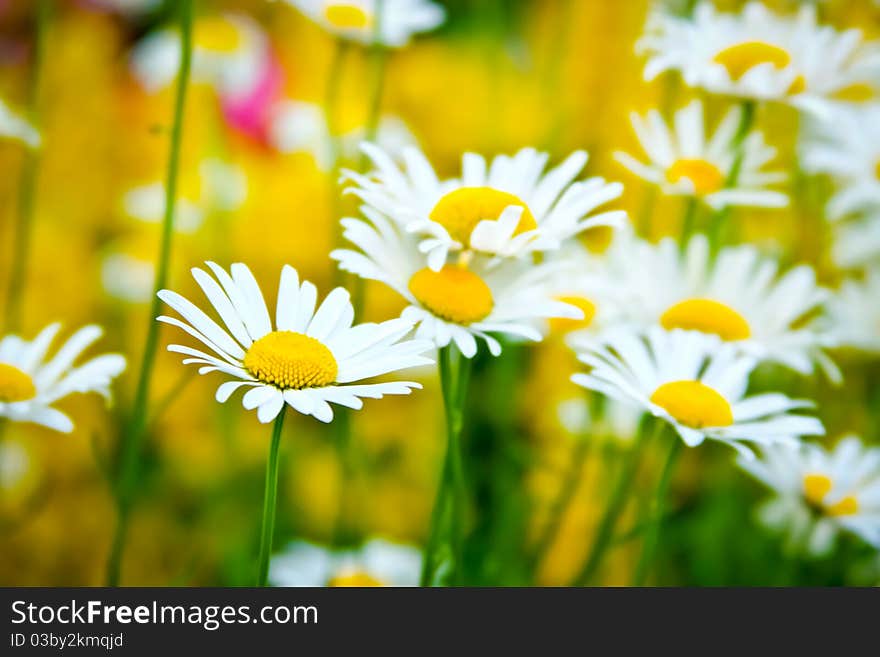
(820, 492)
(760, 55)
(505, 208)
(13, 126)
(456, 303)
(685, 161)
(30, 382)
(740, 297)
(696, 383)
(854, 312)
(312, 358)
(847, 148)
(299, 127)
(230, 52)
(356, 20)
(856, 243)
(376, 563)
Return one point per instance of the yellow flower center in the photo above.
(705, 176)
(217, 35)
(860, 92)
(347, 16)
(291, 360)
(706, 316)
(877, 170)
(598, 239)
(354, 578)
(797, 86)
(742, 57)
(565, 324)
(462, 209)
(15, 385)
(454, 293)
(817, 486)
(693, 404)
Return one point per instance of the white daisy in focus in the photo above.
(30, 382)
(356, 20)
(696, 383)
(312, 357)
(300, 127)
(685, 161)
(846, 147)
(820, 492)
(856, 243)
(377, 563)
(740, 297)
(760, 55)
(854, 312)
(457, 303)
(230, 51)
(508, 207)
(13, 126)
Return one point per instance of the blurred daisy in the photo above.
(506, 208)
(312, 358)
(854, 312)
(684, 161)
(741, 297)
(820, 492)
(221, 187)
(376, 563)
(299, 127)
(758, 54)
(856, 243)
(847, 148)
(30, 382)
(356, 20)
(456, 303)
(13, 126)
(230, 53)
(696, 383)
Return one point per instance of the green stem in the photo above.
(27, 191)
(688, 222)
(132, 439)
(270, 499)
(562, 502)
(721, 220)
(616, 503)
(444, 551)
(655, 511)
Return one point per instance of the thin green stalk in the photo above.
(27, 191)
(688, 222)
(132, 438)
(719, 223)
(616, 503)
(444, 551)
(655, 511)
(562, 502)
(378, 69)
(270, 499)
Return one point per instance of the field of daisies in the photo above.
(440, 292)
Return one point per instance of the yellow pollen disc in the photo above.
(877, 170)
(598, 239)
(462, 209)
(742, 57)
(15, 385)
(706, 316)
(797, 86)
(454, 293)
(291, 360)
(693, 404)
(860, 92)
(848, 506)
(346, 16)
(705, 176)
(816, 487)
(217, 35)
(354, 578)
(564, 324)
